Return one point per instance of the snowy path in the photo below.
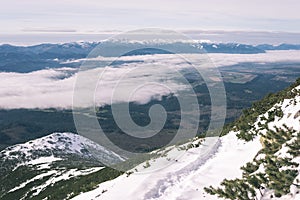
(174, 178)
(185, 179)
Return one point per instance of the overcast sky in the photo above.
(86, 16)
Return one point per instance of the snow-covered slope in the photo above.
(186, 177)
(53, 166)
(55, 147)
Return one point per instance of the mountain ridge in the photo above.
(181, 181)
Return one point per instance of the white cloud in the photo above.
(45, 89)
(219, 59)
(39, 89)
(270, 56)
(139, 81)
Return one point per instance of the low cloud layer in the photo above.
(135, 81)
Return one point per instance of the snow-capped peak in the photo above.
(59, 145)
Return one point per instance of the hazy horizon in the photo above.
(221, 36)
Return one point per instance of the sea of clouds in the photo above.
(145, 78)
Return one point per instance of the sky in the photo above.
(101, 15)
(106, 17)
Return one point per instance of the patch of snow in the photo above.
(65, 175)
(43, 160)
(38, 177)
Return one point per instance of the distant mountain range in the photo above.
(31, 58)
(279, 47)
